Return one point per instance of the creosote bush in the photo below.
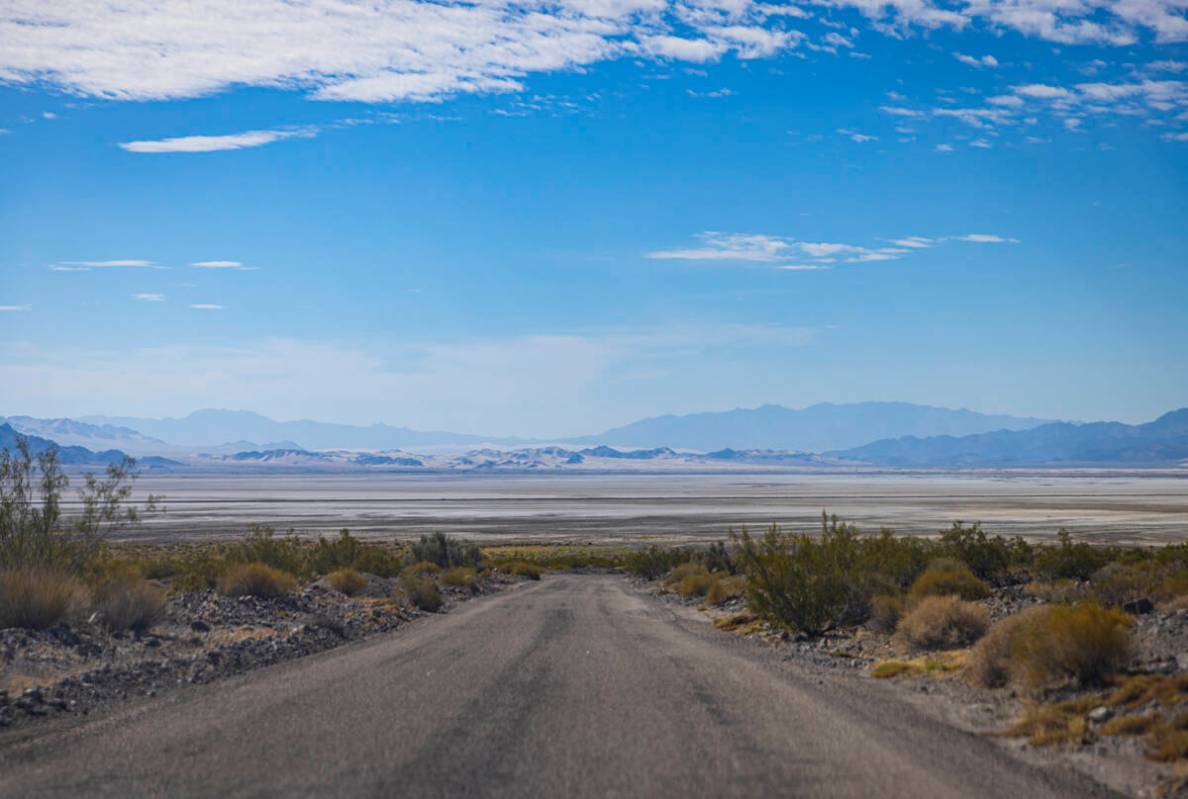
(725, 587)
(420, 589)
(346, 581)
(36, 598)
(886, 611)
(943, 622)
(445, 551)
(522, 568)
(948, 577)
(258, 580)
(1048, 646)
(129, 603)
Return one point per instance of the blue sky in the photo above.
(553, 218)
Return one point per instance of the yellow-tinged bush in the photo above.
(886, 611)
(948, 577)
(421, 590)
(129, 604)
(36, 598)
(258, 580)
(522, 568)
(943, 622)
(461, 577)
(346, 581)
(1051, 645)
(421, 568)
(724, 587)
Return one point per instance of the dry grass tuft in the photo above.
(1052, 645)
(129, 604)
(346, 581)
(948, 577)
(943, 622)
(724, 587)
(258, 580)
(461, 577)
(886, 611)
(939, 664)
(1057, 723)
(36, 598)
(1133, 724)
(420, 589)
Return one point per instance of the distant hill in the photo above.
(817, 428)
(1162, 442)
(68, 432)
(73, 455)
(210, 428)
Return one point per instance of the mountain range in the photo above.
(72, 455)
(1163, 442)
(814, 429)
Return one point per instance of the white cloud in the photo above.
(14, 308)
(1042, 91)
(900, 112)
(986, 238)
(794, 255)
(974, 61)
(234, 266)
(1177, 137)
(423, 51)
(149, 296)
(206, 306)
(981, 144)
(855, 136)
(211, 144)
(87, 266)
(944, 148)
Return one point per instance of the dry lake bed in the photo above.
(1135, 507)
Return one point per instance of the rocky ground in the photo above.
(1160, 646)
(79, 668)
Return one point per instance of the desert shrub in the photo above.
(948, 577)
(285, 553)
(522, 568)
(346, 581)
(461, 577)
(35, 534)
(36, 598)
(943, 622)
(801, 582)
(1069, 560)
(717, 558)
(129, 604)
(989, 557)
(1051, 645)
(421, 590)
(377, 560)
(1058, 591)
(445, 551)
(887, 563)
(198, 573)
(1117, 583)
(681, 571)
(886, 611)
(422, 568)
(653, 563)
(256, 579)
(694, 585)
(724, 587)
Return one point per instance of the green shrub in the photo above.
(803, 583)
(717, 558)
(1051, 645)
(198, 573)
(423, 568)
(256, 579)
(346, 581)
(461, 577)
(988, 557)
(948, 577)
(445, 551)
(943, 622)
(1069, 560)
(653, 563)
(421, 590)
(129, 604)
(36, 598)
(285, 553)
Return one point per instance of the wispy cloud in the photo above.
(975, 61)
(87, 266)
(213, 144)
(206, 306)
(795, 255)
(14, 308)
(855, 136)
(149, 296)
(235, 266)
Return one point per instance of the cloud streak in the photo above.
(214, 144)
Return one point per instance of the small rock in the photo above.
(1138, 607)
(1100, 714)
(199, 626)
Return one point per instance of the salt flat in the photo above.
(1135, 507)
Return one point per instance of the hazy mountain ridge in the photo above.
(72, 455)
(817, 428)
(1162, 442)
(207, 428)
